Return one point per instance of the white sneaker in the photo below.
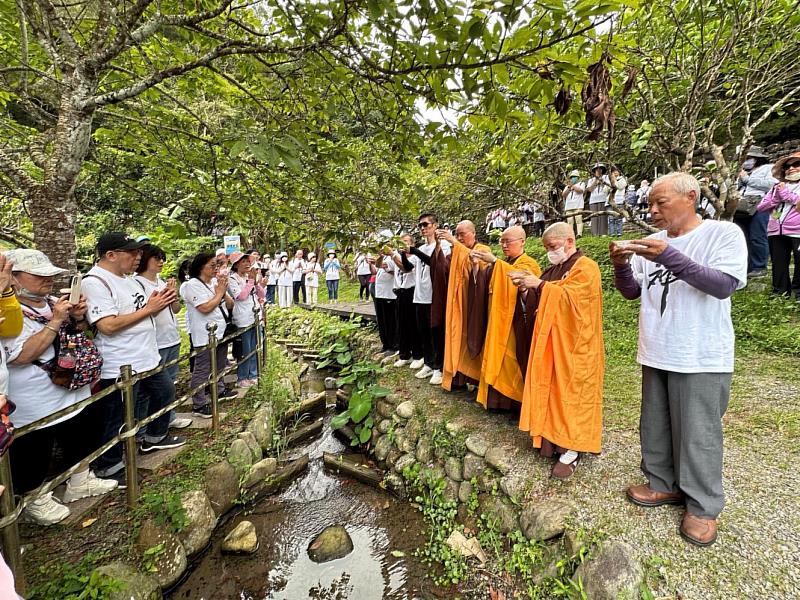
(416, 364)
(401, 362)
(471, 387)
(436, 378)
(46, 511)
(91, 486)
(389, 358)
(424, 372)
(180, 423)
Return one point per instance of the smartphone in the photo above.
(75, 289)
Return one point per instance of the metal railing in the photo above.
(10, 509)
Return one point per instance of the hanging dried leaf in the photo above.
(597, 103)
(562, 101)
(632, 73)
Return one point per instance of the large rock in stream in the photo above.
(133, 585)
(242, 540)
(334, 542)
(202, 521)
(165, 552)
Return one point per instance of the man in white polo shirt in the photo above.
(126, 335)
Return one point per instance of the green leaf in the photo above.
(377, 391)
(340, 420)
(359, 408)
(364, 435)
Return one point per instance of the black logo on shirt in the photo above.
(663, 277)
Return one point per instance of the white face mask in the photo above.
(556, 257)
(792, 176)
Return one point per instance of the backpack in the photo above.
(88, 361)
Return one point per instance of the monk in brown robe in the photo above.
(562, 407)
(462, 359)
(501, 383)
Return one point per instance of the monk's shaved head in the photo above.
(467, 225)
(515, 231)
(512, 241)
(559, 231)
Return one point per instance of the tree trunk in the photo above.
(54, 209)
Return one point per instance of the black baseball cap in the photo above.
(116, 240)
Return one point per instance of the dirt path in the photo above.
(759, 539)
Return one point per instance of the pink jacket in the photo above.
(776, 201)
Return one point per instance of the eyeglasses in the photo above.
(424, 224)
(792, 165)
(507, 242)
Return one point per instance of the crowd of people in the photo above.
(529, 342)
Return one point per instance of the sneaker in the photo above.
(180, 423)
(389, 357)
(416, 364)
(756, 273)
(471, 387)
(246, 383)
(122, 482)
(171, 441)
(228, 394)
(436, 378)
(91, 486)
(203, 411)
(402, 362)
(424, 372)
(46, 511)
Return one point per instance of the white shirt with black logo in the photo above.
(108, 295)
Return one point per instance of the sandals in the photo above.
(562, 471)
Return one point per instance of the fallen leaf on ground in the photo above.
(88, 522)
(398, 553)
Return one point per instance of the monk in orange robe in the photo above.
(562, 407)
(500, 385)
(462, 360)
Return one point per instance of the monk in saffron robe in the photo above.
(462, 360)
(500, 386)
(562, 407)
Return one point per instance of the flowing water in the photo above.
(385, 532)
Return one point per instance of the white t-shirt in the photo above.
(619, 194)
(187, 318)
(167, 334)
(283, 274)
(242, 309)
(403, 280)
(362, 266)
(135, 345)
(29, 386)
(272, 279)
(682, 329)
(312, 277)
(384, 280)
(574, 199)
(600, 193)
(194, 293)
(299, 266)
(331, 267)
(423, 292)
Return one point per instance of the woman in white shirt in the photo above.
(313, 271)
(30, 385)
(207, 302)
(247, 296)
(283, 272)
(331, 266)
(363, 272)
(168, 337)
(599, 187)
(618, 185)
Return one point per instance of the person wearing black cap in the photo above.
(755, 180)
(599, 187)
(126, 335)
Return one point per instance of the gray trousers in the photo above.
(681, 435)
(599, 222)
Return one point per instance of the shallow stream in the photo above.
(385, 532)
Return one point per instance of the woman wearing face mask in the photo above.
(284, 271)
(573, 202)
(783, 230)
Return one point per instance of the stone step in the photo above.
(199, 422)
(79, 508)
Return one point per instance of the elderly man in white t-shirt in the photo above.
(126, 335)
(685, 276)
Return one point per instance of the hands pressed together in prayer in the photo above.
(649, 249)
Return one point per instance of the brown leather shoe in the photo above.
(644, 496)
(698, 531)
